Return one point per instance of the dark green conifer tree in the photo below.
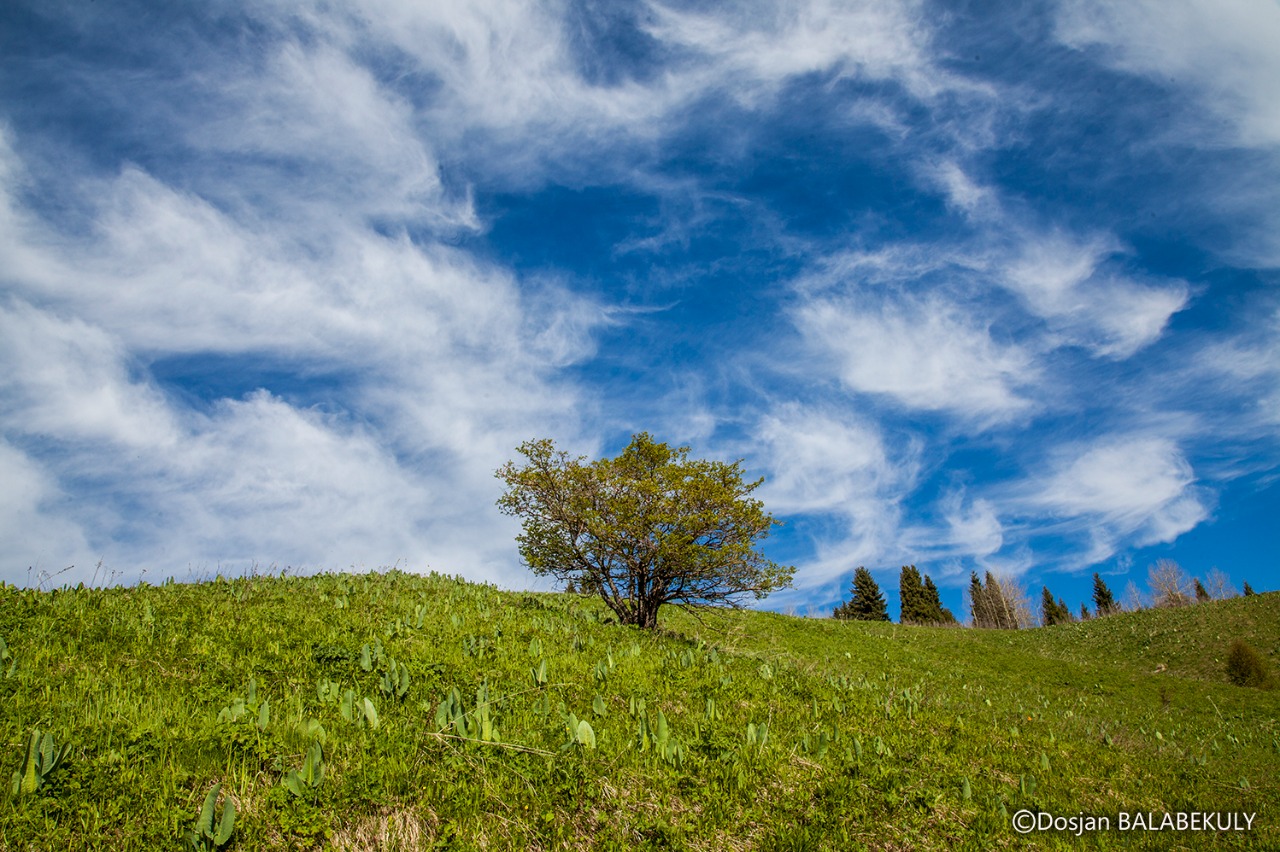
(938, 614)
(1202, 594)
(867, 602)
(913, 607)
(1049, 614)
(1103, 602)
(1248, 590)
(1056, 612)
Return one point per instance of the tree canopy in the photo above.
(649, 527)
(919, 601)
(867, 602)
(1052, 612)
(1103, 602)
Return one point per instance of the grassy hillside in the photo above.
(506, 720)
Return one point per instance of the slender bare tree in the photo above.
(1219, 585)
(1169, 584)
(1133, 599)
(1017, 601)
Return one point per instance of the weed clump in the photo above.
(1247, 667)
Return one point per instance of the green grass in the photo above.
(780, 732)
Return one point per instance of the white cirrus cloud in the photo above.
(1225, 49)
(489, 72)
(979, 203)
(926, 353)
(504, 80)
(1249, 362)
(65, 379)
(1223, 56)
(973, 527)
(304, 112)
(827, 463)
(445, 363)
(1129, 489)
(37, 534)
(1063, 279)
(769, 43)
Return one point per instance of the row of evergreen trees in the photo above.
(1057, 612)
(1168, 585)
(918, 598)
(994, 603)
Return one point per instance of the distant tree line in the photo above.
(999, 603)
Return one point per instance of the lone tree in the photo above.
(1202, 594)
(1103, 602)
(1169, 585)
(867, 603)
(646, 528)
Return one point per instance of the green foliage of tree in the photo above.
(919, 600)
(911, 602)
(1248, 590)
(1202, 594)
(938, 614)
(1048, 609)
(1103, 601)
(867, 602)
(646, 528)
(1053, 612)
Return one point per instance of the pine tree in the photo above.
(912, 607)
(1103, 602)
(1084, 612)
(1054, 612)
(1248, 590)
(867, 602)
(1202, 594)
(938, 614)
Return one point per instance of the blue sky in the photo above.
(972, 288)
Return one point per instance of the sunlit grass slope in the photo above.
(500, 720)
